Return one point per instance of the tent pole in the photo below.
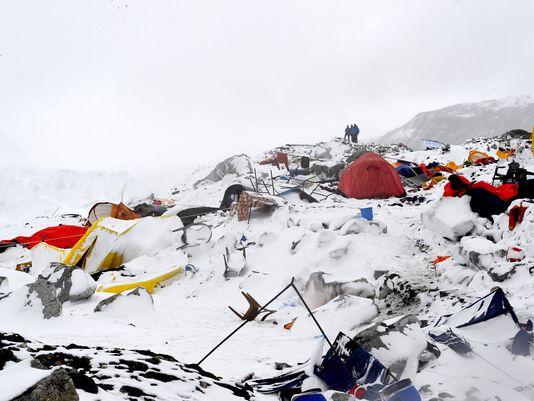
(245, 322)
(311, 314)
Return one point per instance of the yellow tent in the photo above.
(475, 155)
(110, 242)
(505, 154)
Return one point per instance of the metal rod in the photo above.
(311, 314)
(245, 322)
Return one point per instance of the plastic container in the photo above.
(366, 213)
(402, 390)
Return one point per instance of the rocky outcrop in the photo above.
(56, 387)
(236, 165)
(72, 283)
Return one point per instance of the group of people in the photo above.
(351, 133)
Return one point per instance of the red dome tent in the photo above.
(370, 176)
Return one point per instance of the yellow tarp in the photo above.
(148, 282)
(505, 154)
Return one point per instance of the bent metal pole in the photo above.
(290, 285)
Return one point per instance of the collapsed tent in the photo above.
(108, 209)
(111, 242)
(370, 176)
(486, 308)
(478, 157)
(347, 365)
(57, 236)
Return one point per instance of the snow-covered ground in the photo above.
(390, 274)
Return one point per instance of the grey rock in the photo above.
(371, 338)
(137, 292)
(226, 167)
(62, 277)
(318, 292)
(327, 170)
(56, 387)
(46, 293)
(4, 285)
(105, 302)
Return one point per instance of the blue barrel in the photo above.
(402, 390)
(367, 213)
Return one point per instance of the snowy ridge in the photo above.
(457, 123)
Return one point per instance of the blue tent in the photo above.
(486, 308)
(453, 341)
(347, 364)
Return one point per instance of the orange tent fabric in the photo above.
(370, 176)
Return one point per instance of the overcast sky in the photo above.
(125, 84)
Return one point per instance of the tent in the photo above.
(108, 209)
(370, 176)
(62, 236)
(478, 157)
(111, 242)
(492, 305)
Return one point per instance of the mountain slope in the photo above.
(455, 124)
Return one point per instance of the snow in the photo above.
(190, 314)
(16, 378)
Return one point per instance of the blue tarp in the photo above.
(486, 308)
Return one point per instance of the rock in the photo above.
(4, 285)
(479, 253)
(72, 283)
(83, 382)
(318, 292)
(56, 387)
(452, 218)
(327, 170)
(45, 292)
(359, 225)
(397, 344)
(6, 355)
(136, 300)
(39, 295)
(238, 165)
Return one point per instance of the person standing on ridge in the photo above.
(347, 134)
(354, 133)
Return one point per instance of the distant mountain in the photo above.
(455, 124)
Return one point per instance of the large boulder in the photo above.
(318, 292)
(39, 296)
(400, 344)
(137, 300)
(327, 170)
(237, 165)
(72, 283)
(450, 217)
(56, 387)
